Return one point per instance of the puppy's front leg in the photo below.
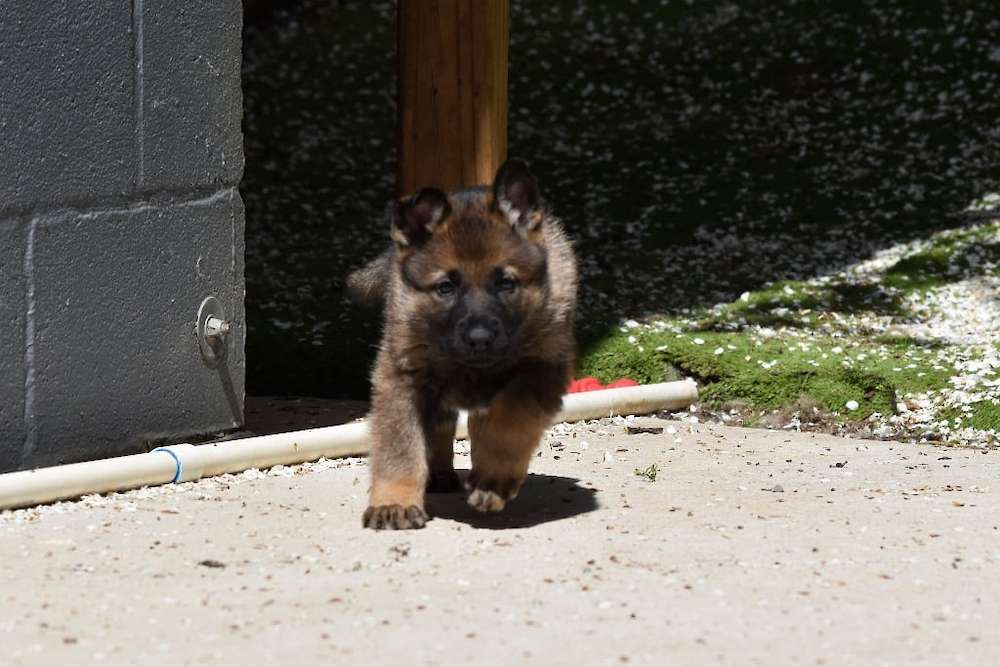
(398, 459)
(505, 436)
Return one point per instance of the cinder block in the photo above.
(192, 95)
(67, 103)
(12, 309)
(117, 366)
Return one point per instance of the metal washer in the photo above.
(212, 355)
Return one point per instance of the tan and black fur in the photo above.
(479, 291)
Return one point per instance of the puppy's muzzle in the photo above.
(481, 339)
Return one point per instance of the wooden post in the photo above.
(452, 92)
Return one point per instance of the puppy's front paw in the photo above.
(486, 501)
(394, 517)
(490, 494)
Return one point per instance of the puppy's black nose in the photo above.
(480, 336)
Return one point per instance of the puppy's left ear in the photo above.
(515, 194)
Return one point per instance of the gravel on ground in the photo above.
(678, 543)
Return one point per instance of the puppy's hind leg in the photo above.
(439, 431)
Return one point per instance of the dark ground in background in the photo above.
(694, 150)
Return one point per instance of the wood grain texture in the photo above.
(452, 92)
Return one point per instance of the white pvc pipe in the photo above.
(186, 463)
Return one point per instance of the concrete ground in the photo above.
(750, 547)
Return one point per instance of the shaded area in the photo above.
(269, 414)
(694, 152)
(320, 147)
(542, 498)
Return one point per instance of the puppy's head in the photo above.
(473, 268)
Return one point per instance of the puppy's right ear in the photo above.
(415, 218)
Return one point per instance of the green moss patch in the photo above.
(772, 372)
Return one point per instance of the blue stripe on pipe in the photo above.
(180, 464)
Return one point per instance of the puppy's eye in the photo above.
(507, 284)
(445, 288)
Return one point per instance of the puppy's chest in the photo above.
(469, 391)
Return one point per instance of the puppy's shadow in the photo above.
(542, 498)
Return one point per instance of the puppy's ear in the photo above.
(515, 194)
(415, 218)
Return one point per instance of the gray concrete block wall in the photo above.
(67, 103)
(185, 101)
(12, 310)
(121, 150)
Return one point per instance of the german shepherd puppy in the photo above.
(479, 291)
